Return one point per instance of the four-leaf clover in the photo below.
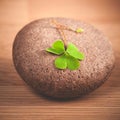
(68, 58)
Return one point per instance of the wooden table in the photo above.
(18, 101)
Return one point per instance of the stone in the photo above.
(36, 66)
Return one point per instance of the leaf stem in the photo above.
(64, 38)
(63, 26)
(59, 27)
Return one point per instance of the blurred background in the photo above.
(14, 14)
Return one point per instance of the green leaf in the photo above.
(69, 58)
(79, 55)
(79, 30)
(61, 62)
(54, 51)
(58, 45)
(67, 61)
(73, 51)
(72, 47)
(72, 63)
(57, 48)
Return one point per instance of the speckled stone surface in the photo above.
(36, 66)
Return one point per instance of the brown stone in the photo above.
(36, 66)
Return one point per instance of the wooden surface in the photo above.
(18, 101)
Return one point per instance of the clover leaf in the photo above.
(72, 63)
(73, 51)
(69, 58)
(57, 47)
(69, 55)
(67, 61)
(61, 62)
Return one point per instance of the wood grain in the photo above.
(18, 101)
